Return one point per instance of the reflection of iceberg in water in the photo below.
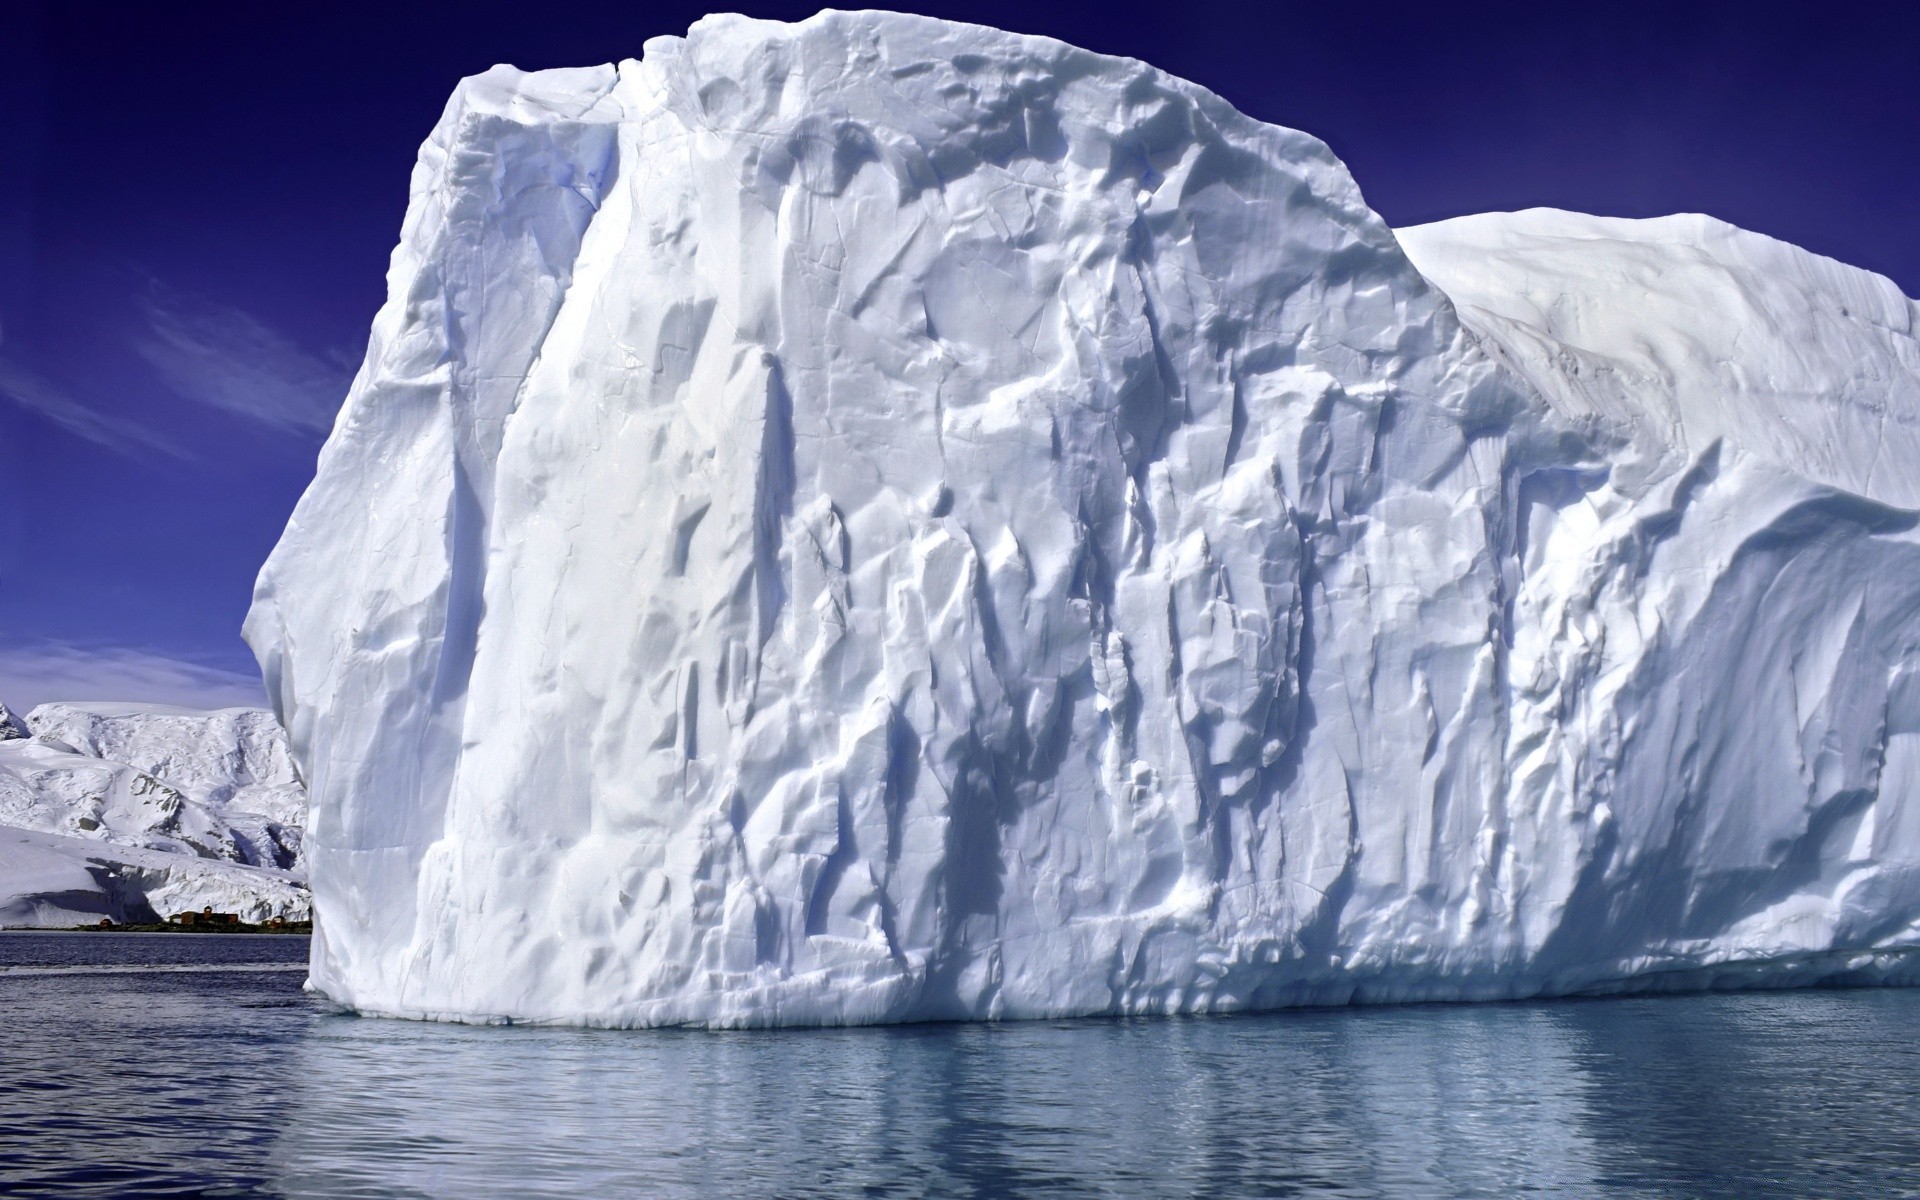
(1816, 1094)
(1410, 1102)
(1472, 1103)
(225, 1081)
(1698, 1096)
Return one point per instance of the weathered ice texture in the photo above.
(877, 519)
(139, 811)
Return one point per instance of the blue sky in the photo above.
(197, 203)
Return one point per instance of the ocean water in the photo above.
(157, 1065)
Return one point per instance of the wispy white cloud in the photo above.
(37, 394)
(217, 355)
(39, 672)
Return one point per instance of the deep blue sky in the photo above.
(197, 202)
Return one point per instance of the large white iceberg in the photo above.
(878, 519)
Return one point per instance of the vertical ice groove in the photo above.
(881, 519)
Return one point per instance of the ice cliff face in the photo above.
(136, 812)
(877, 519)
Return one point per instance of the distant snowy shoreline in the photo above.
(135, 813)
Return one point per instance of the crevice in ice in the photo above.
(845, 852)
(773, 501)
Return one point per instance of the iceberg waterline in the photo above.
(880, 519)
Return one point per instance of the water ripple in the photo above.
(228, 1082)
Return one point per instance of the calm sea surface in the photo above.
(155, 1065)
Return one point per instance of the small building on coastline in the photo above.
(206, 916)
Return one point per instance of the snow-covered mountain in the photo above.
(877, 519)
(140, 811)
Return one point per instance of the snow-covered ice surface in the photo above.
(1682, 331)
(876, 519)
(139, 811)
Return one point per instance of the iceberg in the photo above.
(877, 519)
(136, 812)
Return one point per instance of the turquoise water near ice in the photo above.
(158, 1065)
